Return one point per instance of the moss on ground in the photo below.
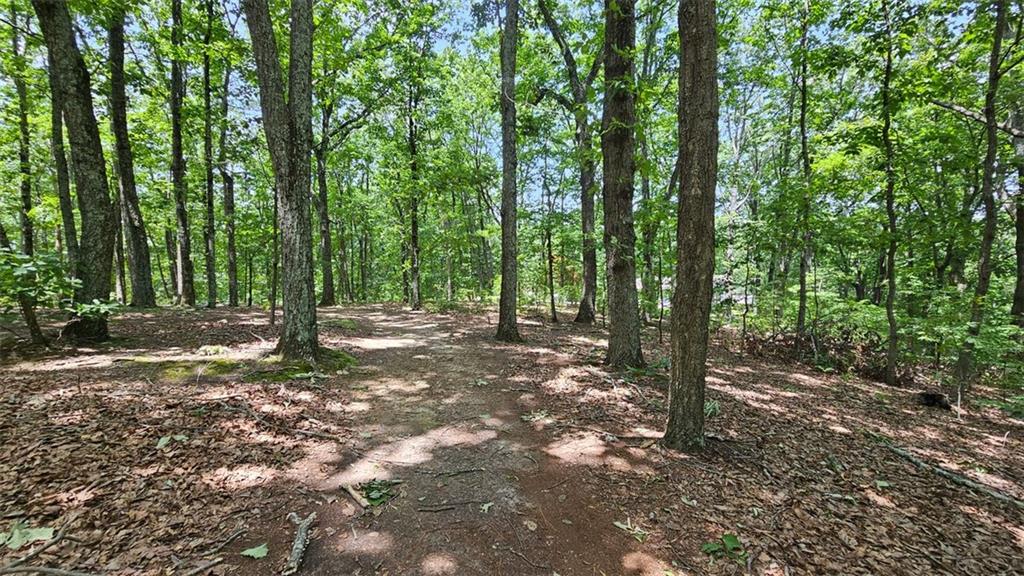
(277, 370)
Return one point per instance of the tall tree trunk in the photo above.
(618, 146)
(508, 328)
(805, 200)
(248, 285)
(343, 277)
(120, 282)
(171, 245)
(965, 364)
(60, 162)
(579, 88)
(97, 214)
(695, 232)
(289, 131)
(143, 294)
(228, 182)
(275, 256)
(890, 199)
(186, 287)
(327, 297)
(588, 299)
(1017, 310)
(209, 231)
(24, 136)
(415, 301)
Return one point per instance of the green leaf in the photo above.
(20, 535)
(256, 552)
(163, 442)
(732, 542)
(486, 506)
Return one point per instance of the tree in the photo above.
(890, 198)
(618, 146)
(17, 72)
(287, 123)
(965, 364)
(97, 215)
(209, 230)
(695, 231)
(60, 164)
(579, 88)
(508, 328)
(186, 294)
(131, 213)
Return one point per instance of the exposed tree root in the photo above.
(300, 542)
(954, 477)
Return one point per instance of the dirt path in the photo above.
(444, 409)
(180, 444)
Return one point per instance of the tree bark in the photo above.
(805, 200)
(890, 200)
(137, 243)
(508, 328)
(327, 297)
(695, 232)
(415, 301)
(1017, 310)
(579, 88)
(24, 137)
(186, 288)
(965, 364)
(97, 214)
(60, 162)
(209, 231)
(288, 127)
(618, 146)
(228, 182)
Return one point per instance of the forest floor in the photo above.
(178, 445)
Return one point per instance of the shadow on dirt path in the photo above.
(440, 410)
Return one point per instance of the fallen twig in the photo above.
(299, 543)
(451, 473)
(42, 570)
(203, 567)
(435, 509)
(954, 477)
(359, 498)
(234, 535)
(525, 559)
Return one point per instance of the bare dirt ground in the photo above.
(177, 446)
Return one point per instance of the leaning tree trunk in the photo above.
(137, 243)
(695, 232)
(209, 231)
(618, 146)
(287, 123)
(965, 364)
(60, 163)
(186, 288)
(97, 214)
(580, 89)
(508, 329)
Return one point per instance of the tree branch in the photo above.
(978, 117)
